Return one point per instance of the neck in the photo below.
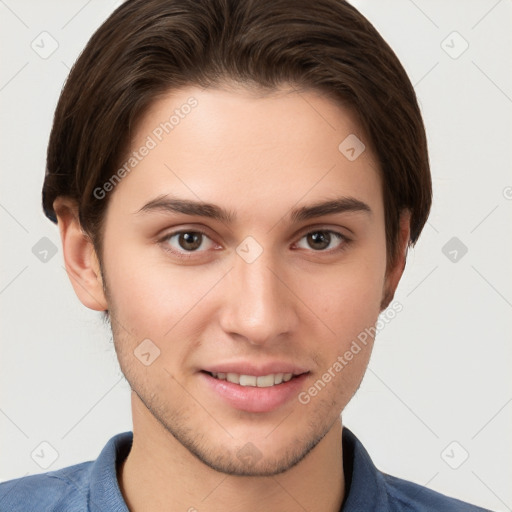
(160, 474)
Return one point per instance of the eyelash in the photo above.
(344, 240)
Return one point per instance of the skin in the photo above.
(258, 156)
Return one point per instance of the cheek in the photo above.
(348, 303)
(154, 298)
(347, 297)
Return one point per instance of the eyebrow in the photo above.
(201, 209)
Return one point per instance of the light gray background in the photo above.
(440, 371)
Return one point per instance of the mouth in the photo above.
(254, 393)
(260, 381)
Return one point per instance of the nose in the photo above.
(258, 303)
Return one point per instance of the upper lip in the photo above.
(258, 370)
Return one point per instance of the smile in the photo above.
(263, 381)
(254, 393)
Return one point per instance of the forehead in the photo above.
(239, 147)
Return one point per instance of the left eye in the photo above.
(321, 240)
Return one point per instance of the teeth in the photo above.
(264, 381)
(248, 380)
(232, 377)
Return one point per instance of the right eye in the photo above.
(186, 241)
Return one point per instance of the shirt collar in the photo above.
(364, 483)
(105, 493)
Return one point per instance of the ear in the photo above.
(82, 264)
(394, 273)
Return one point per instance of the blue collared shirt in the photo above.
(93, 487)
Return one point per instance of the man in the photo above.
(236, 185)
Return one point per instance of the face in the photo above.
(258, 283)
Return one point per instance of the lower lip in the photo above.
(252, 398)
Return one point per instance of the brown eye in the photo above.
(183, 242)
(190, 240)
(324, 239)
(319, 239)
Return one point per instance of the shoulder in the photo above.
(74, 488)
(63, 489)
(405, 496)
(372, 489)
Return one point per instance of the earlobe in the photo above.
(394, 274)
(80, 257)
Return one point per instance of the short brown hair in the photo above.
(148, 47)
